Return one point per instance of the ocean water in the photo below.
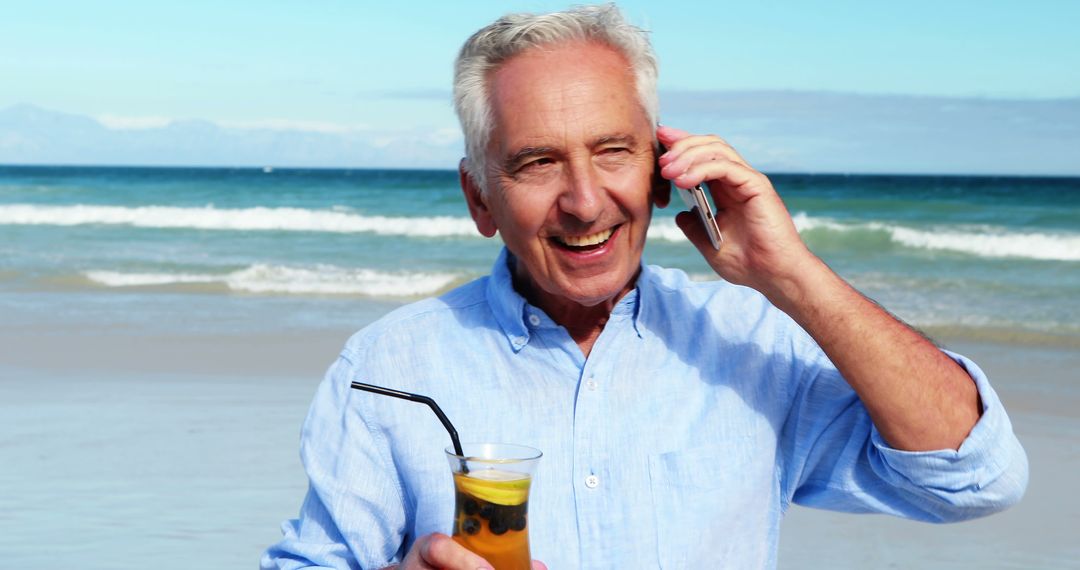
(980, 257)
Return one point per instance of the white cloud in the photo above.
(846, 132)
(131, 123)
(445, 136)
(138, 123)
(436, 137)
(323, 127)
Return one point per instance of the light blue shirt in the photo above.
(700, 415)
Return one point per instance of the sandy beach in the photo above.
(1041, 390)
(129, 448)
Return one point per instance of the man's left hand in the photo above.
(761, 246)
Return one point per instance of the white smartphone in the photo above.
(697, 199)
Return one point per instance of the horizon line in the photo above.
(270, 169)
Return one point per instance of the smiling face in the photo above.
(570, 169)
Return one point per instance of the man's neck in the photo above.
(584, 323)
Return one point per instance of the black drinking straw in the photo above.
(423, 400)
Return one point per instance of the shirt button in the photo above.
(534, 320)
(590, 384)
(592, 481)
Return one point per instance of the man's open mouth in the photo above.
(586, 242)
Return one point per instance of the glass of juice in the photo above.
(492, 501)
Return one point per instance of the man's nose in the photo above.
(582, 195)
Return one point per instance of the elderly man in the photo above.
(678, 420)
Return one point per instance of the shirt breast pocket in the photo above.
(713, 505)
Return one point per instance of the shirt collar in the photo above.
(512, 312)
(506, 303)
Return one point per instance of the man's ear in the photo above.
(477, 203)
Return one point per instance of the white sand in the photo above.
(123, 450)
(1041, 391)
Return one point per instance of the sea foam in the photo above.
(317, 280)
(980, 241)
(975, 240)
(243, 219)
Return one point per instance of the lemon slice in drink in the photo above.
(494, 486)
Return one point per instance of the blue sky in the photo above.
(382, 69)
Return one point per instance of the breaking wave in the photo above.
(979, 241)
(317, 280)
(242, 219)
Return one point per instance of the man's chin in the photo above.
(589, 292)
(572, 283)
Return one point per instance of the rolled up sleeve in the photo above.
(840, 461)
(988, 473)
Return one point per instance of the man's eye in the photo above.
(614, 154)
(536, 164)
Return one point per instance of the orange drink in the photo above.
(491, 502)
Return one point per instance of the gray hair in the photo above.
(513, 34)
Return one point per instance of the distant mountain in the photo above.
(777, 131)
(32, 135)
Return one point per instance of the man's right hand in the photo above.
(437, 551)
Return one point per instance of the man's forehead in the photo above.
(584, 92)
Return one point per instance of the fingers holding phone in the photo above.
(693, 159)
(697, 201)
(759, 237)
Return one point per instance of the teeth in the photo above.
(591, 239)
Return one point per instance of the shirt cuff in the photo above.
(982, 457)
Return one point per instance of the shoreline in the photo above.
(287, 350)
